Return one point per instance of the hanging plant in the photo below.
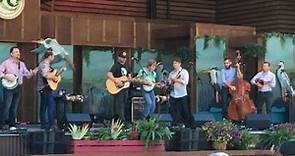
(282, 36)
(217, 41)
(140, 51)
(86, 50)
(253, 50)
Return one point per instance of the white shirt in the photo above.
(179, 88)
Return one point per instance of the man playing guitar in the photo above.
(179, 78)
(12, 70)
(47, 98)
(148, 74)
(118, 70)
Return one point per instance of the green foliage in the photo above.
(253, 50)
(277, 137)
(247, 139)
(219, 131)
(78, 132)
(150, 131)
(283, 37)
(86, 51)
(217, 41)
(114, 132)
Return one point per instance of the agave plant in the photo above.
(114, 132)
(78, 132)
(116, 129)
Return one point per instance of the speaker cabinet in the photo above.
(258, 121)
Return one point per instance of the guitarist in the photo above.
(47, 98)
(148, 73)
(119, 69)
(179, 78)
(13, 66)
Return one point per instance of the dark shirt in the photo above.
(119, 70)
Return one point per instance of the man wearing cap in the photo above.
(12, 66)
(119, 69)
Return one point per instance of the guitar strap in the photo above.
(178, 73)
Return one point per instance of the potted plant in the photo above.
(150, 131)
(241, 139)
(277, 136)
(219, 133)
(142, 136)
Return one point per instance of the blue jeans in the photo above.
(10, 101)
(150, 103)
(48, 105)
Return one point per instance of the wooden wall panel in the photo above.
(111, 31)
(63, 29)
(24, 28)
(265, 15)
(47, 26)
(187, 10)
(79, 28)
(96, 33)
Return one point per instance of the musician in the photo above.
(179, 78)
(14, 66)
(48, 104)
(148, 73)
(228, 76)
(265, 81)
(118, 70)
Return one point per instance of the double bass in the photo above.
(240, 104)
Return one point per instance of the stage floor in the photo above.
(192, 153)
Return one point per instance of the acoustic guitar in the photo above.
(114, 88)
(54, 84)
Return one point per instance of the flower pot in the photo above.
(219, 145)
(95, 146)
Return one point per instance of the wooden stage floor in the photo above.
(192, 153)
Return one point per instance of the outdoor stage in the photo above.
(31, 141)
(192, 153)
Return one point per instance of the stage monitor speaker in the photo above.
(78, 118)
(202, 118)
(166, 117)
(288, 148)
(258, 121)
(292, 115)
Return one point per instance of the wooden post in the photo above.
(77, 75)
(28, 107)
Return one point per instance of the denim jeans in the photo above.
(48, 105)
(10, 104)
(150, 103)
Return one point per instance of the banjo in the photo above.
(10, 84)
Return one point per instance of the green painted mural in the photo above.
(278, 50)
(211, 56)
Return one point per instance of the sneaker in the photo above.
(12, 128)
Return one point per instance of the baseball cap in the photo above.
(122, 54)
